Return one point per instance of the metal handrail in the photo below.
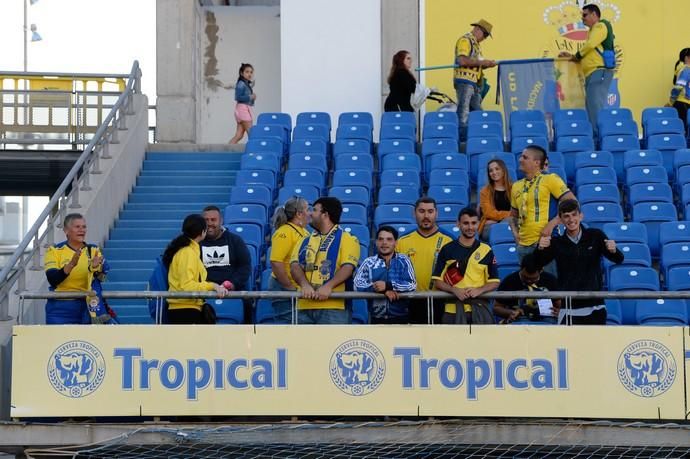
(64, 75)
(133, 87)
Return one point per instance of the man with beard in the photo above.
(467, 269)
(389, 273)
(422, 248)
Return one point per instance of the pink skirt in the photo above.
(243, 112)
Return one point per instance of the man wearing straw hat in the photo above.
(468, 73)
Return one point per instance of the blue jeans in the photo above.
(524, 250)
(469, 99)
(282, 308)
(597, 86)
(323, 317)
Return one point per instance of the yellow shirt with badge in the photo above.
(531, 199)
(283, 243)
(422, 251)
(311, 255)
(467, 46)
(79, 279)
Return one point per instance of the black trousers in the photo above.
(187, 316)
(419, 315)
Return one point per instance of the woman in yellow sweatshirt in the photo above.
(186, 272)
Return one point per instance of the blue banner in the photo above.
(527, 85)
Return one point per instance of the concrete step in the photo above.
(129, 275)
(138, 243)
(169, 188)
(194, 156)
(202, 199)
(157, 234)
(132, 223)
(132, 254)
(185, 181)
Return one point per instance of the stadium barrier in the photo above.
(407, 370)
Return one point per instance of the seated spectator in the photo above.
(322, 263)
(578, 255)
(389, 273)
(186, 273)
(494, 199)
(528, 279)
(289, 222)
(467, 269)
(72, 266)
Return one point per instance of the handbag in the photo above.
(419, 96)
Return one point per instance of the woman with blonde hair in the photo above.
(289, 222)
(494, 198)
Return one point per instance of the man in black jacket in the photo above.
(578, 261)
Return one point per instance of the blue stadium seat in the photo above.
(617, 127)
(441, 131)
(598, 214)
(482, 179)
(270, 131)
(351, 194)
(397, 194)
(354, 161)
(298, 177)
(354, 213)
(681, 158)
(405, 177)
(264, 313)
(274, 146)
(317, 146)
(593, 175)
(674, 255)
(598, 192)
(261, 161)
(432, 146)
(245, 213)
(664, 126)
(482, 116)
(478, 145)
(360, 311)
(256, 177)
(250, 233)
(500, 233)
(652, 113)
(529, 129)
(674, 232)
(446, 161)
(678, 279)
(652, 215)
(525, 115)
(450, 229)
(361, 232)
(682, 176)
(393, 214)
(404, 228)
(591, 159)
(282, 119)
(228, 311)
(667, 144)
(311, 131)
(662, 312)
(453, 177)
(303, 161)
(613, 312)
(650, 192)
(517, 144)
(361, 118)
(314, 118)
(607, 115)
(398, 118)
(358, 146)
(447, 194)
(506, 258)
(570, 114)
(353, 178)
(484, 129)
(632, 158)
(622, 278)
(574, 143)
(645, 174)
(354, 131)
(308, 192)
(626, 232)
(448, 213)
(402, 162)
(265, 278)
(620, 143)
(399, 131)
(440, 117)
(387, 146)
(635, 253)
(556, 159)
(573, 128)
(253, 194)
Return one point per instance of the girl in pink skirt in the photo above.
(245, 97)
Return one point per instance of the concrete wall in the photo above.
(230, 36)
(399, 30)
(331, 56)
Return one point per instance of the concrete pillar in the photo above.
(177, 70)
(399, 30)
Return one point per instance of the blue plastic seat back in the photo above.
(354, 213)
(446, 161)
(351, 194)
(250, 233)
(617, 127)
(529, 129)
(678, 279)
(311, 131)
(283, 119)
(664, 126)
(256, 177)
(593, 159)
(360, 231)
(517, 144)
(354, 131)
(296, 177)
(651, 113)
(405, 177)
(357, 177)
(397, 194)
(598, 192)
(500, 233)
(650, 192)
(591, 175)
(387, 146)
(347, 118)
(398, 131)
(652, 214)
(662, 312)
(402, 161)
(681, 158)
(394, 213)
(252, 194)
(674, 232)
(479, 145)
(607, 114)
(274, 146)
(626, 232)
(347, 161)
(440, 117)
(308, 192)
(441, 131)
(315, 118)
(262, 160)
(480, 116)
(303, 161)
(632, 158)
(450, 194)
(453, 177)
(506, 254)
(526, 115)
(270, 131)
(645, 174)
(448, 213)
(264, 314)
(317, 146)
(245, 213)
(485, 129)
(614, 314)
(398, 118)
(572, 127)
(351, 146)
(622, 278)
(597, 214)
(675, 254)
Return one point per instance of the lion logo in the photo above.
(646, 368)
(76, 369)
(357, 367)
